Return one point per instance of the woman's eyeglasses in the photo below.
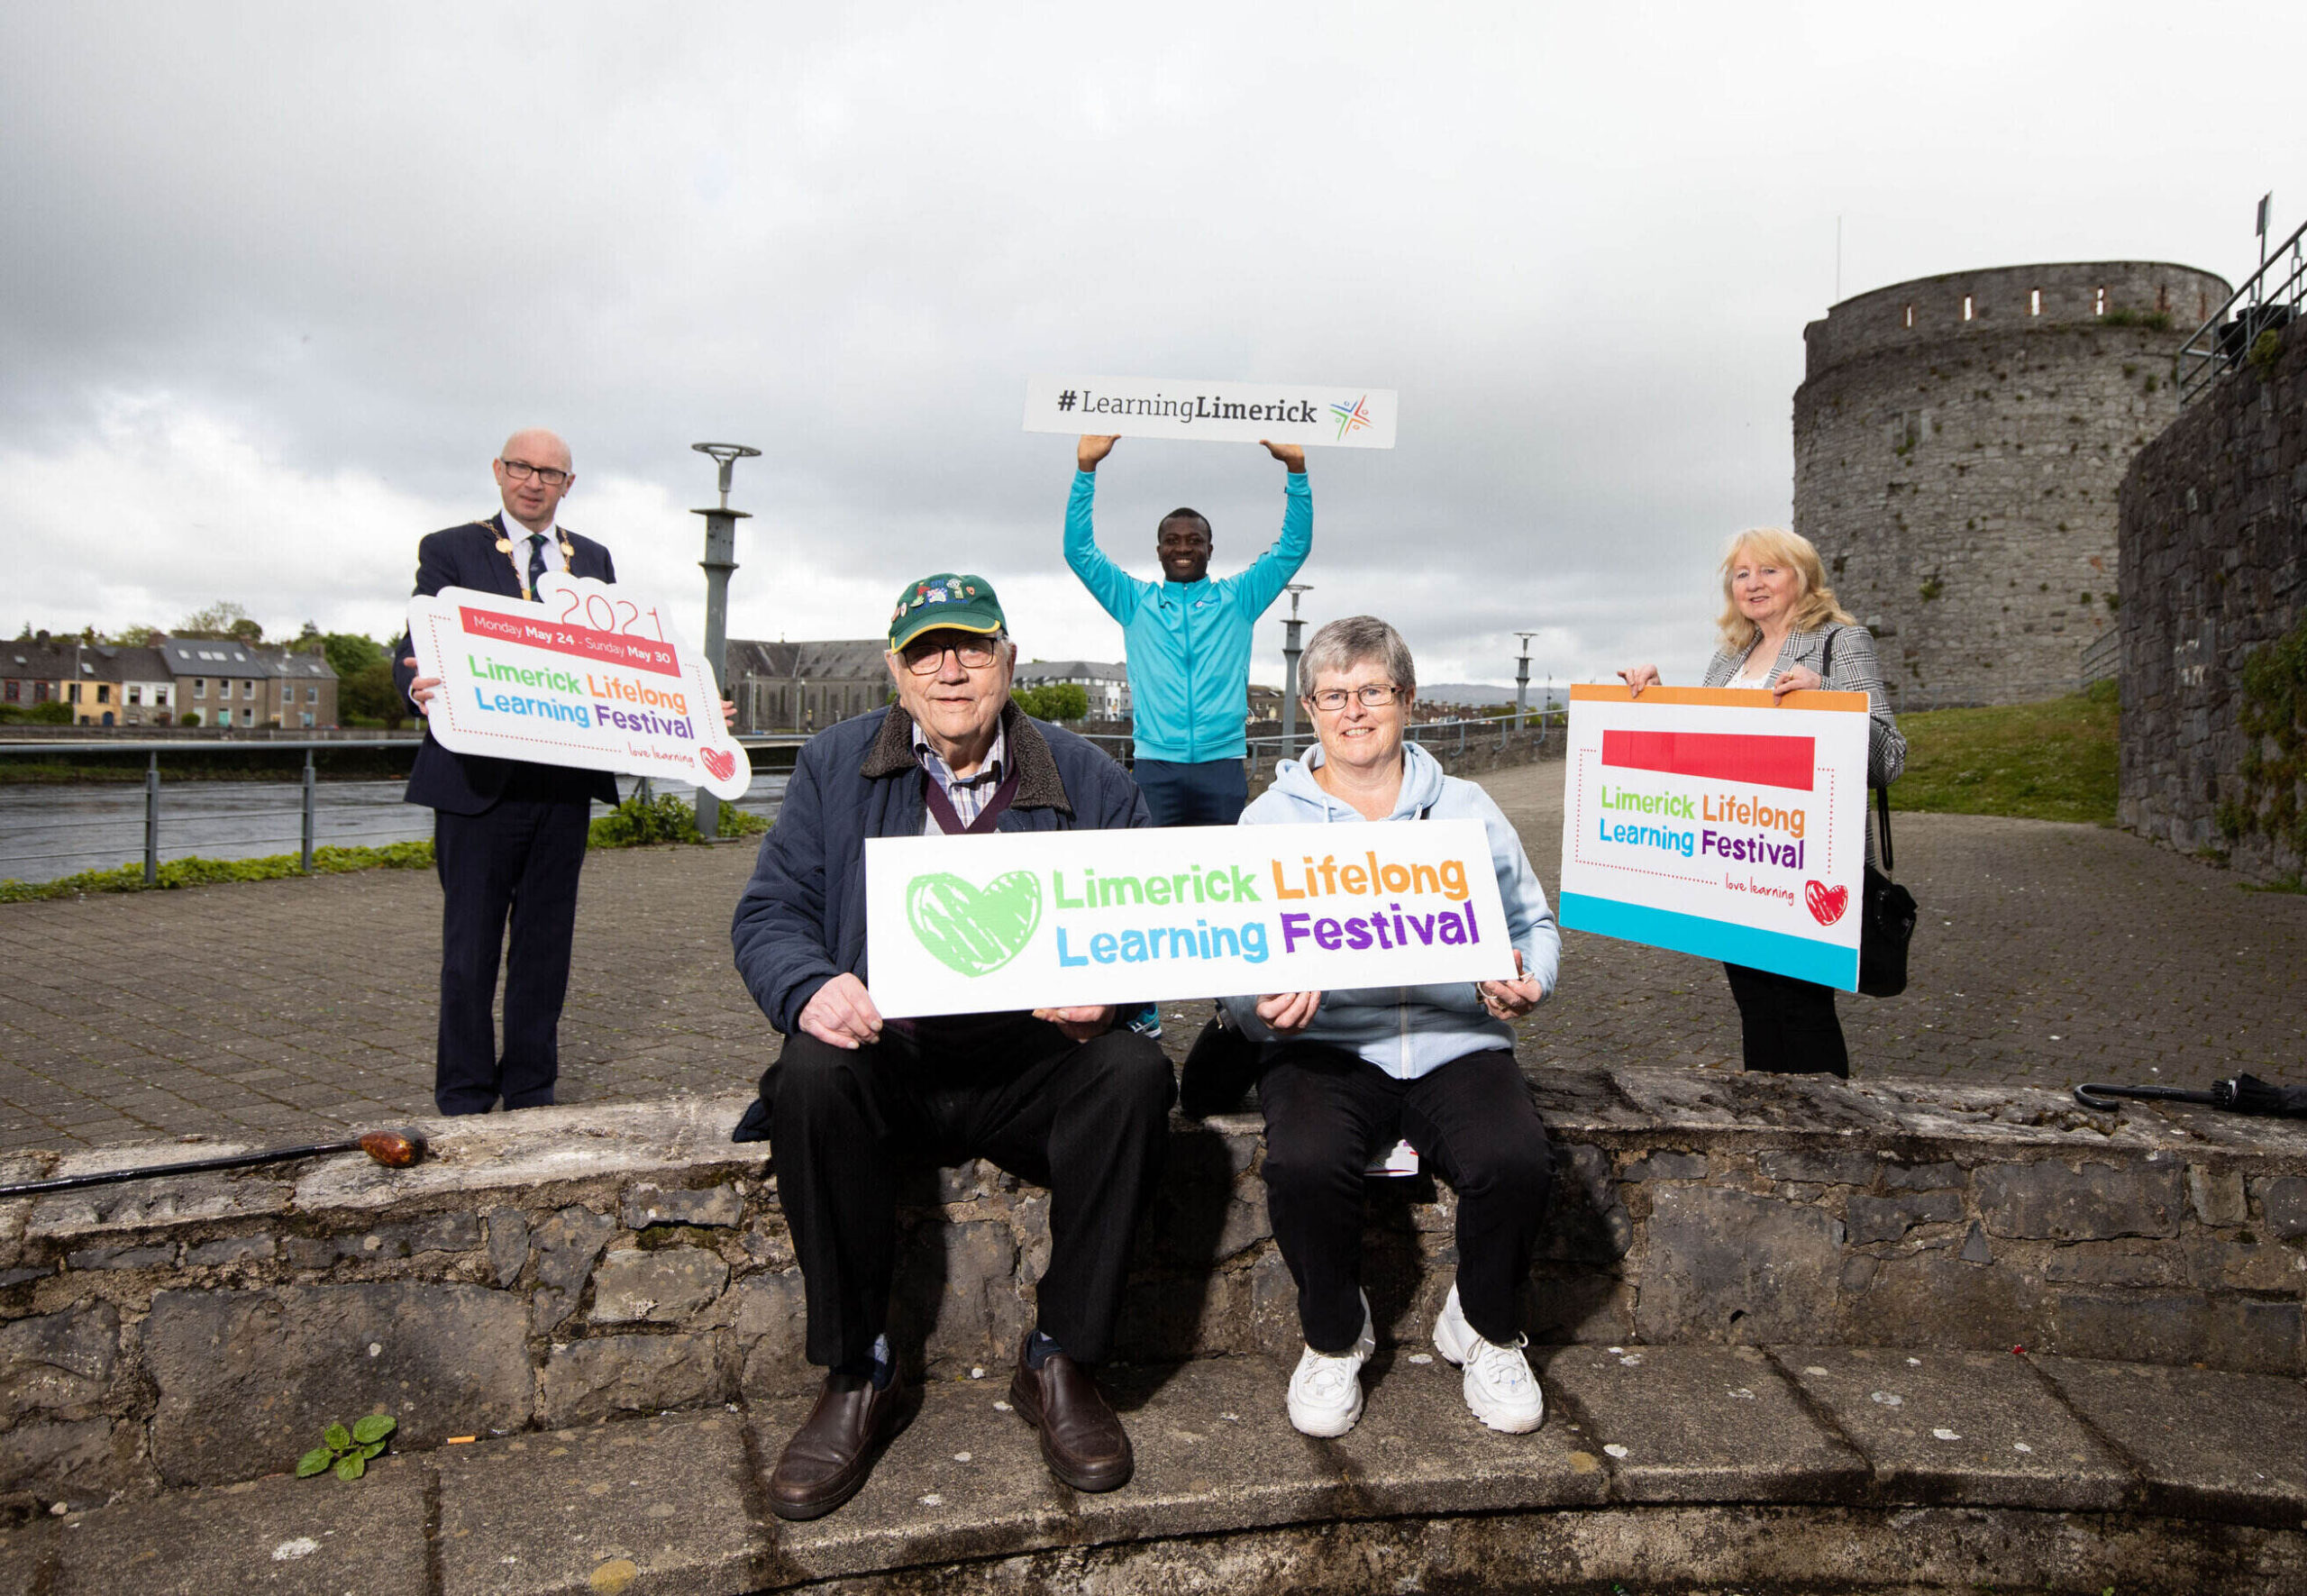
(1374, 695)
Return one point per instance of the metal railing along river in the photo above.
(52, 830)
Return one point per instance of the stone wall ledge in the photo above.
(561, 1267)
(1884, 1468)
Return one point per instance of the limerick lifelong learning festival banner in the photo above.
(1714, 822)
(592, 676)
(1212, 411)
(964, 925)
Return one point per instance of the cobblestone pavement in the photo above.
(2047, 954)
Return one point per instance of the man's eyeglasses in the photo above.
(924, 655)
(1374, 695)
(520, 470)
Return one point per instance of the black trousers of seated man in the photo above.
(1088, 1120)
(1329, 1112)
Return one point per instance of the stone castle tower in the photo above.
(1958, 441)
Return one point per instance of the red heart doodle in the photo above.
(1826, 906)
(723, 765)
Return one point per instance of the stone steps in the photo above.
(1868, 1468)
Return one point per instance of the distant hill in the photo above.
(1475, 694)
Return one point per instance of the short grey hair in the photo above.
(1341, 645)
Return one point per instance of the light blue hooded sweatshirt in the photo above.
(1411, 1031)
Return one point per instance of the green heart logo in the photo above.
(971, 931)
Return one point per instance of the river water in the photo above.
(51, 831)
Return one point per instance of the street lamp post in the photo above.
(1289, 652)
(720, 560)
(1522, 681)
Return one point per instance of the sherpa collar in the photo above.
(1039, 786)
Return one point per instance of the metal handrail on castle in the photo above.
(2219, 344)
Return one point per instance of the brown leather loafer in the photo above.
(830, 1456)
(1083, 1441)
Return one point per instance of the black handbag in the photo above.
(1886, 920)
(1220, 1071)
(1886, 912)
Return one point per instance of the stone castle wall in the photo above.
(2214, 567)
(1958, 442)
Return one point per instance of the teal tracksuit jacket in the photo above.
(1189, 643)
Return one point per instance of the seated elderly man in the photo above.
(1064, 1098)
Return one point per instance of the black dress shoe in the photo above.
(830, 1456)
(1083, 1441)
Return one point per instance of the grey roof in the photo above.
(212, 656)
(1072, 670)
(296, 664)
(82, 662)
(139, 664)
(841, 659)
(35, 661)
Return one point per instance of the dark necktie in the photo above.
(536, 561)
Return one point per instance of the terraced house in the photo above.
(221, 681)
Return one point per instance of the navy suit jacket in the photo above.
(466, 556)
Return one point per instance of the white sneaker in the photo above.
(1326, 1391)
(1500, 1387)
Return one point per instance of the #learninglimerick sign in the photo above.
(965, 925)
(1714, 822)
(1212, 411)
(592, 676)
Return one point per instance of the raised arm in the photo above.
(1113, 588)
(1263, 581)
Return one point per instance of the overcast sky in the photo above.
(277, 280)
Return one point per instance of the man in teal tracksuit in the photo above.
(1189, 641)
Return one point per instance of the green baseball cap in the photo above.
(962, 602)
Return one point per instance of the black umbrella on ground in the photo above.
(2245, 1094)
(394, 1149)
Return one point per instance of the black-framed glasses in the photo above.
(924, 655)
(1373, 695)
(520, 470)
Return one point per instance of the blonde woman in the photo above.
(1782, 630)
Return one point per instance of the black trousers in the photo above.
(1789, 1026)
(1329, 1111)
(1210, 792)
(1089, 1120)
(520, 858)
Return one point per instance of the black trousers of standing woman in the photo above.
(1790, 1024)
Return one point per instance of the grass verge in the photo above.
(2050, 760)
(202, 872)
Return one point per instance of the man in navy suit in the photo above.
(509, 837)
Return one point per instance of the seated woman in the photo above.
(1349, 1073)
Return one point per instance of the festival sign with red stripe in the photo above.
(1718, 822)
(589, 675)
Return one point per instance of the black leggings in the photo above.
(1790, 1024)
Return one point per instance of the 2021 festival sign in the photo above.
(593, 675)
